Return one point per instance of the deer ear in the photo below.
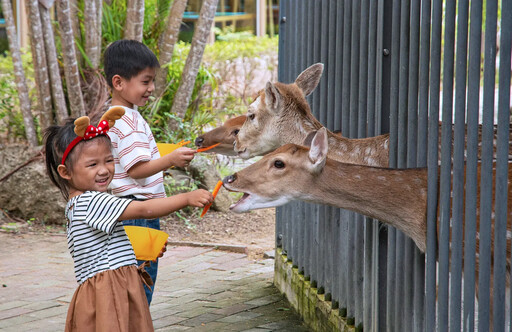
(272, 97)
(309, 78)
(318, 150)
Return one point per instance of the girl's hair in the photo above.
(56, 140)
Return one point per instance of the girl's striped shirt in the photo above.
(96, 239)
(133, 142)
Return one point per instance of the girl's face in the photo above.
(93, 168)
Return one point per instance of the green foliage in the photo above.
(11, 119)
(239, 45)
(112, 24)
(200, 111)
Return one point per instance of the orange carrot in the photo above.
(207, 148)
(182, 143)
(214, 194)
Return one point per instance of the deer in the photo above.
(225, 135)
(396, 197)
(280, 114)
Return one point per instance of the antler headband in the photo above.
(85, 131)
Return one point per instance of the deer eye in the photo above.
(235, 132)
(251, 116)
(278, 164)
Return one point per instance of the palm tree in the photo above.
(92, 22)
(19, 73)
(167, 41)
(134, 20)
(59, 101)
(39, 58)
(76, 102)
(202, 30)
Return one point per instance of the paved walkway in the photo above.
(198, 289)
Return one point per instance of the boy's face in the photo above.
(135, 91)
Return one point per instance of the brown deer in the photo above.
(225, 135)
(280, 115)
(397, 197)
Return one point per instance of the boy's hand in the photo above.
(181, 157)
(164, 249)
(199, 198)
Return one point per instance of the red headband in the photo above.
(90, 133)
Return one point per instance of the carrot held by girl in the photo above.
(110, 295)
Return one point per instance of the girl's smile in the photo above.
(93, 168)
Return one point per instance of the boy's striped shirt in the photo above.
(96, 239)
(133, 142)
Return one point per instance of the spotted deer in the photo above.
(225, 135)
(281, 114)
(397, 197)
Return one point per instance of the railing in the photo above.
(390, 68)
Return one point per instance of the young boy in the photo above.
(130, 69)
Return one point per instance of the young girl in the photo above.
(110, 295)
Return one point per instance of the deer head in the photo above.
(278, 107)
(225, 135)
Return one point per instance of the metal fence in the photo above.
(405, 67)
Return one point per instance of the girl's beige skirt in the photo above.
(112, 301)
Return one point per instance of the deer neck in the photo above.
(395, 197)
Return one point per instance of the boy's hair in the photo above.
(127, 58)
(56, 140)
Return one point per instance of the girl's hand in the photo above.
(164, 249)
(199, 198)
(181, 157)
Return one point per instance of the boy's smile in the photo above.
(133, 91)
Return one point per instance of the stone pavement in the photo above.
(198, 289)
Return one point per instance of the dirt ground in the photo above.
(255, 229)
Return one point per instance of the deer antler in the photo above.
(81, 125)
(113, 114)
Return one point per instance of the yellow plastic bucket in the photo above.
(166, 148)
(146, 242)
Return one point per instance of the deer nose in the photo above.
(199, 141)
(230, 178)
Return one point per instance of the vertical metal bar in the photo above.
(345, 93)
(351, 292)
(500, 221)
(486, 176)
(317, 28)
(433, 141)
(423, 95)
(393, 235)
(363, 71)
(458, 166)
(339, 65)
(324, 47)
(354, 62)
(445, 182)
(414, 279)
(336, 259)
(470, 230)
(403, 300)
(373, 53)
(332, 61)
(344, 267)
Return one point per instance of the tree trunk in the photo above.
(188, 78)
(76, 101)
(59, 101)
(166, 44)
(19, 73)
(134, 24)
(92, 32)
(39, 58)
